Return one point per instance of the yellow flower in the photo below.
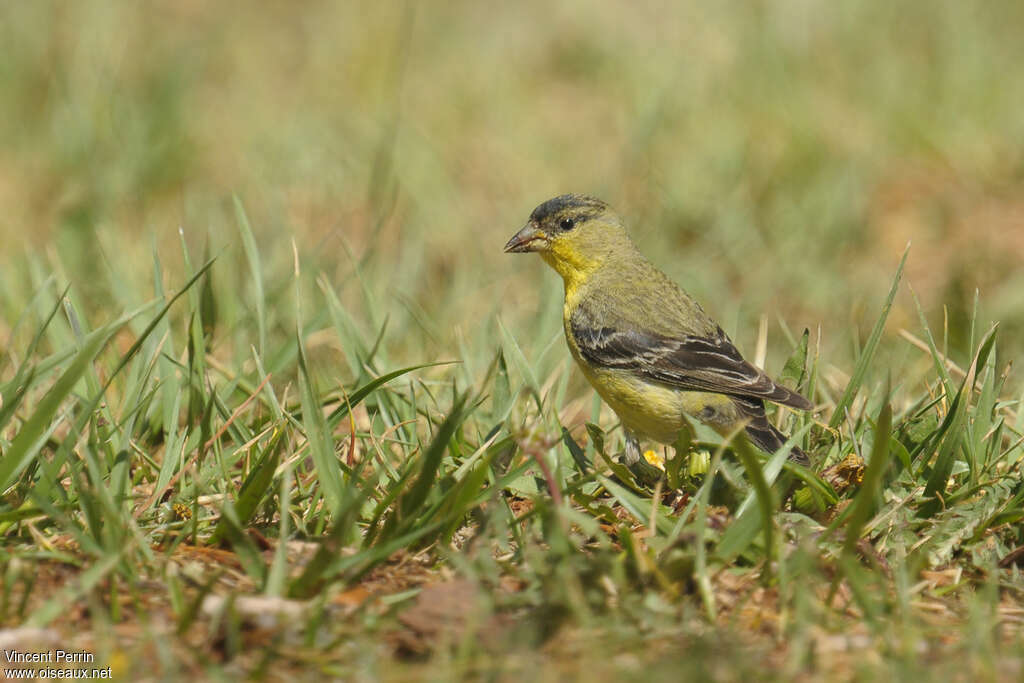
(654, 459)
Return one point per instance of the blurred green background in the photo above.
(774, 157)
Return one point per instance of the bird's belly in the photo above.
(656, 411)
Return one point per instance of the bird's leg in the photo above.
(632, 449)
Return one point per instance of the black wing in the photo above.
(693, 363)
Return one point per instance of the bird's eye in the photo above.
(566, 224)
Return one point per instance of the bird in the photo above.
(644, 344)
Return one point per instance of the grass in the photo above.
(238, 522)
(325, 429)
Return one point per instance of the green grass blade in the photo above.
(315, 571)
(26, 444)
(637, 506)
(954, 429)
(245, 549)
(321, 443)
(278, 574)
(431, 459)
(937, 357)
(256, 485)
(22, 376)
(513, 349)
(868, 353)
(252, 255)
(7, 355)
(356, 397)
(795, 370)
(740, 534)
(864, 502)
(13, 398)
(765, 497)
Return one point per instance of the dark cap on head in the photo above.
(558, 205)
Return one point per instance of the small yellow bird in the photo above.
(649, 350)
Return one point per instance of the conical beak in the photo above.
(530, 238)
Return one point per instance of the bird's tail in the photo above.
(763, 433)
(765, 436)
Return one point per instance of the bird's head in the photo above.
(573, 233)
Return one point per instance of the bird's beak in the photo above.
(530, 238)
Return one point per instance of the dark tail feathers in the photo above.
(763, 433)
